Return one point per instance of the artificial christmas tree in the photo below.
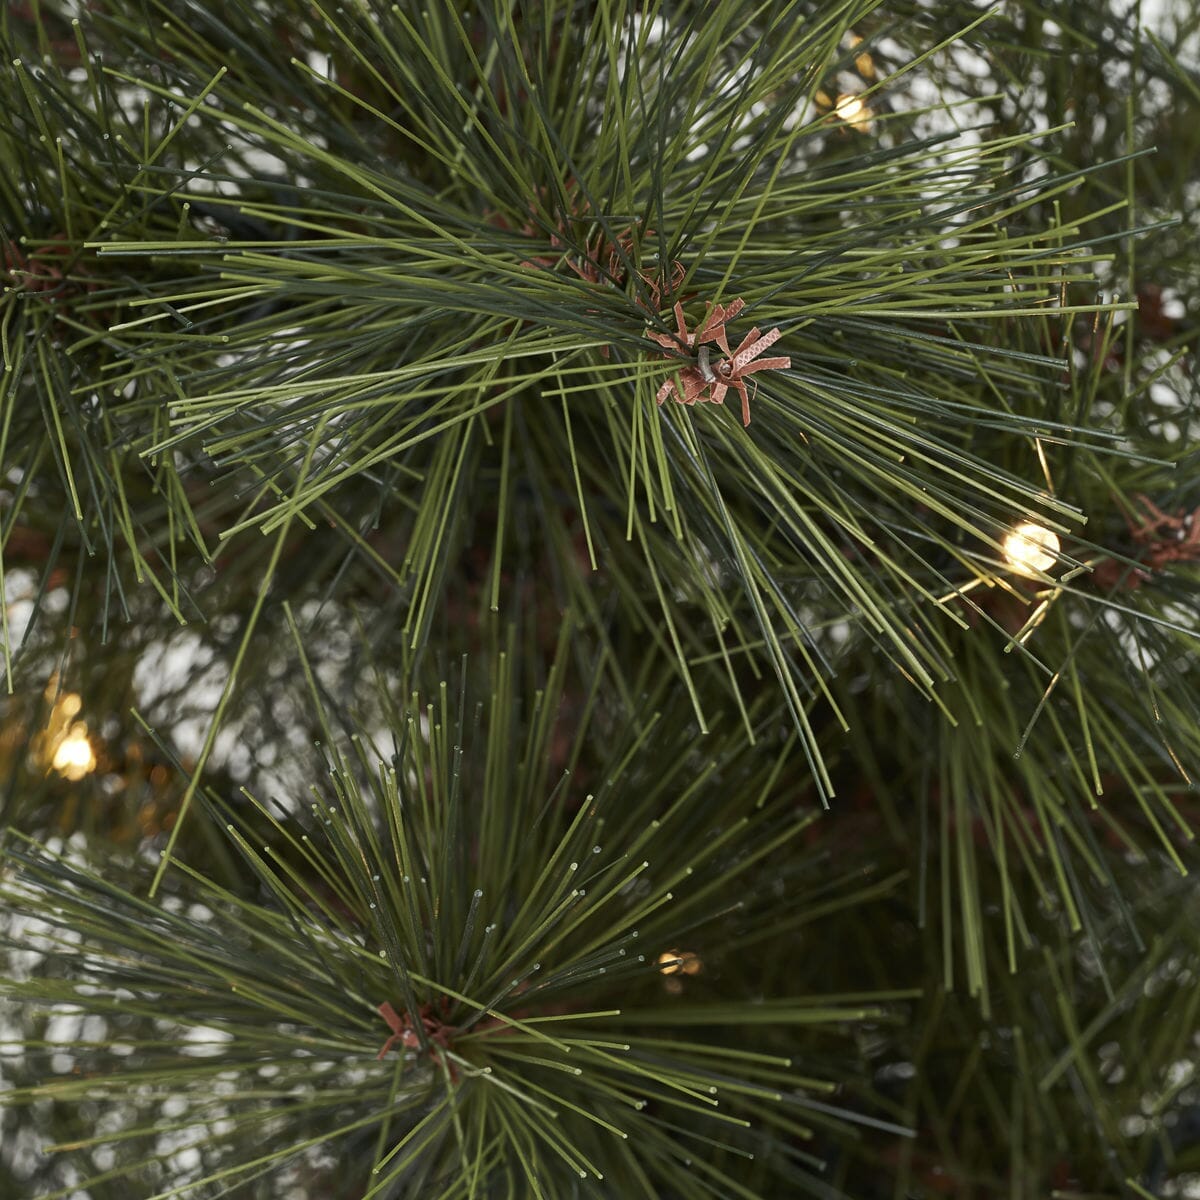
(599, 601)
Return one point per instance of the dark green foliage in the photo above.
(342, 347)
(564, 1045)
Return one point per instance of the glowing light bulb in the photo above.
(854, 111)
(864, 64)
(1030, 548)
(679, 962)
(74, 756)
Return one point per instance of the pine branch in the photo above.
(537, 1021)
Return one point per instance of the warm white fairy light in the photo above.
(1031, 548)
(64, 745)
(679, 962)
(854, 111)
(74, 756)
(864, 64)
